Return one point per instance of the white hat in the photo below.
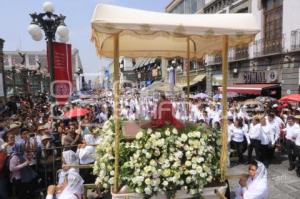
(275, 106)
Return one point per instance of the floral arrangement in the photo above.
(162, 160)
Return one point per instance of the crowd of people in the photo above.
(38, 144)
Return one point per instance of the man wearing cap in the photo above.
(292, 137)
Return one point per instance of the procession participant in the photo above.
(254, 135)
(86, 154)
(256, 185)
(267, 141)
(291, 135)
(71, 188)
(276, 124)
(238, 136)
(296, 135)
(69, 157)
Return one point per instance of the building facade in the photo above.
(26, 72)
(270, 64)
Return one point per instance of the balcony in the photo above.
(295, 40)
(213, 60)
(238, 53)
(266, 47)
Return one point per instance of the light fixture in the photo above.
(62, 31)
(48, 7)
(235, 70)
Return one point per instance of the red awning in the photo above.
(253, 89)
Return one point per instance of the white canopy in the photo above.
(151, 34)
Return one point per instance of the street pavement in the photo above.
(283, 184)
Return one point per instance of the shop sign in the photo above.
(257, 77)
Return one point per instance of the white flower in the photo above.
(184, 137)
(168, 133)
(175, 131)
(139, 135)
(148, 191)
(188, 180)
(165, 183)
(188, 163)
(112, 173)
(157, 135)
(193, 191)
(178, 154)
(149, 131)
(153, 163)
(148, 181)
(167, 173)
(148, 155)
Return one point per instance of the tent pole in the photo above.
(188, 75)
(116, 87)
(224, 140)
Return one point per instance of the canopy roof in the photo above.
(151, 34)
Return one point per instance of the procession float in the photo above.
(165, 158)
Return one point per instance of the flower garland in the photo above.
(163, 160)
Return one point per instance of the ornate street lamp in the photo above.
(51, 24)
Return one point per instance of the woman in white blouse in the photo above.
(267, 135)
(237, 136)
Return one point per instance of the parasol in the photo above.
(76, 112)
(290, 98)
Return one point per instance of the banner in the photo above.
(61, 89)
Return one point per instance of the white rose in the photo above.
(148, 191)
(184, 137)
(112, 173)
(149, 131)
(188, 180)
(188, 163)
(168, 133)
(148, 155)
(175, 131)
(165, 183)
(148, 181)
(157, 135)
(139, 135)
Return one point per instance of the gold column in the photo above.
(224, 149)
(188, 74)
(116, 90)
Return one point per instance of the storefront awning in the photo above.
(253, 89)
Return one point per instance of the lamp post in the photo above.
(13, 70)
(51, 24)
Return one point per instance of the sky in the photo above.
(14, 21)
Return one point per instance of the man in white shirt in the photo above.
(292, 136)
(254, 135)
(295, 128)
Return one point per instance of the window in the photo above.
(272, 25)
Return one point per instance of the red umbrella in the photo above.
(291, 97)
(76, 112)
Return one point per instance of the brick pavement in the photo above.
(283, 184)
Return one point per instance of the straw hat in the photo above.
(43, 127)
(297, 117)
(14, 125)
(46, 137)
